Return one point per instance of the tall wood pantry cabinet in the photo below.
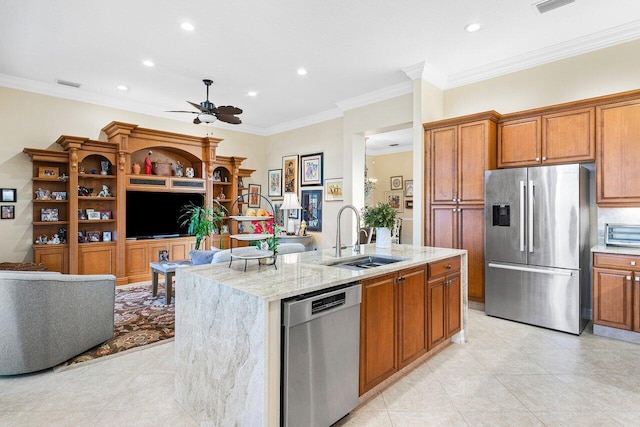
(458, 152)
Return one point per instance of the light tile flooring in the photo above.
(508, 374)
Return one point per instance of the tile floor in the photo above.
(508, 374)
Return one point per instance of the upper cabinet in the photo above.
(545, 139)
(618, 154)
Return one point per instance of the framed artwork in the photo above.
(395, 199)
(254, 195)
(311, 169)
(59, 195)
(408, 188)
(333, 189)
(312, 209)
(48, 172)
(8, 212)
(290, 173)
(163, 255)
(275, 183)
(408, 204)
(278, 214)
(93, 236)
(396, 182)
(105, 214)
(48, 215)
(8, 195)
(106, 236)
(93, 215)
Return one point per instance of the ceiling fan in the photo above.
(209, 113)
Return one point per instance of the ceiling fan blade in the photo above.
(229, 110)
(196, 121)
(197, 106)
(182, 111)
(229, 119)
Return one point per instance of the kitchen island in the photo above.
(228, 327)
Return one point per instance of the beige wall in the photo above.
(36, 121)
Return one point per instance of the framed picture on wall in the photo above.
(8, 212)
(395, 199)
(396, 182)
(311, 169)
(278, 214)
(8, 195)
(290, 173)
(254, 195)
(333, 189)
(275, 183)
(312, 209)
(408, 188)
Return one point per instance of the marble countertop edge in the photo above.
(621, 250)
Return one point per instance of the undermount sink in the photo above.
(365, 262)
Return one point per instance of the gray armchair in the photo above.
(47, 318)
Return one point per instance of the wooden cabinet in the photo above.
(412, 300)
(544, 139)
(616, 291)
(140, 253)
(97, 258)
(444, 306)
(618, 154)
(458, 153)
(54, 257)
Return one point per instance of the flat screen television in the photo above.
(155, 215)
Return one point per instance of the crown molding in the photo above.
(592, 42)
(323, 116)
(414, 71)
(376, 96)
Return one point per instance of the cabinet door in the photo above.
(618, 154)
(97, 258)
(443, 165)
(443, 227)
(412, 297)
(453, 309)
(436, 312)
(472, 161)
(519, 142)
(471, 238)
(377, 331)
(612, 298)
(569, 136)
(53, 257)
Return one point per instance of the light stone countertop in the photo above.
(304, 272)
(619, 250)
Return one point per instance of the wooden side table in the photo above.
(168, 269)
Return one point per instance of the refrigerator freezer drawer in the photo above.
(547, 297)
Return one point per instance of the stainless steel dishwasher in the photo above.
(320, 356)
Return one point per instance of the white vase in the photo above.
(383, 237)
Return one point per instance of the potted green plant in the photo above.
(382, 217)
(202, 220)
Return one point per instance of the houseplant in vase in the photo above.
(201, 221)
(382, 217)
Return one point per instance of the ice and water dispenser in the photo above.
(501, 214)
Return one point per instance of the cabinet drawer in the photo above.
(445, 266)
(616, 261)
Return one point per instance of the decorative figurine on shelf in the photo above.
(104, 192)
(63, 177)
(189, 172)
(43, 194)
(179, 167)
(303, 228)
(136, 168)
(62, 233)
(104, 167)
(41, 239)
(240, 184)
(221, 196)
(81, 169)
(54, 241)
(147, 164)
(84, 191)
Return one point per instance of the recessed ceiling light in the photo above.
(148, 63)
(252, 93)
(302, 72)
(187, 26)
(123, 88)
(471, 28)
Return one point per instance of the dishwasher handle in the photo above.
(301, 310)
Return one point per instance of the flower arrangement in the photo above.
(267, 226)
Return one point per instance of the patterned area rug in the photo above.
(140, 319)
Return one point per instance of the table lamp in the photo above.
(290, 202)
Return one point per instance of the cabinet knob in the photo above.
(633, 263)
(637, 278)
(454, 209)
(537, 159)
(453, 200)
(628, 277)
(448, 266)
(544, 158)
(458, 200)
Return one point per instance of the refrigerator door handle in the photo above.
(530, 215)
(522, 225)
(531, 269)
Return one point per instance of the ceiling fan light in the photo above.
(207, 118)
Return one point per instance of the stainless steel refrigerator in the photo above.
(537, 246)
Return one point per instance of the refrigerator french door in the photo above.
(536, 246)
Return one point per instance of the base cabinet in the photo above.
(140, 253)
(616, 291)
(53, 256)
(395, 318)
(97, 258)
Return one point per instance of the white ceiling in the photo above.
(355, 51)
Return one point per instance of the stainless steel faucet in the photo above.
(356, 247)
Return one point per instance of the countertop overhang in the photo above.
(304, 272)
